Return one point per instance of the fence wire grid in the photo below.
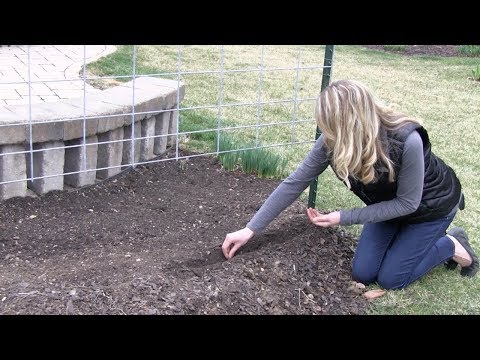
(249, 97)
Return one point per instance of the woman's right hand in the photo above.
(234, 241)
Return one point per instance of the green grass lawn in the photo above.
(438, 90)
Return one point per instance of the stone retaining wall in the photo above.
(92, 134)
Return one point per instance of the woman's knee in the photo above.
(390, 281)
(367, 277)
(361, 273)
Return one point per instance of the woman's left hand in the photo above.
(323, 220)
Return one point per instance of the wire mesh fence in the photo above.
(62, 107)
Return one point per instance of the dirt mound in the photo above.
(431, 50)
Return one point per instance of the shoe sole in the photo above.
(459, 234)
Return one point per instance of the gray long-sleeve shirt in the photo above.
(407, 200)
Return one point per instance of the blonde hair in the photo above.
(350, 117)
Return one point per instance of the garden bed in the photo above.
(148, 242)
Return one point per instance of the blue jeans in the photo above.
(395, 255)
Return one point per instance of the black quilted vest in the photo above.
(441, 187)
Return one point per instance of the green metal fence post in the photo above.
(327, 72)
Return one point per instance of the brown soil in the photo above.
(431, 50)
(148, 242)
